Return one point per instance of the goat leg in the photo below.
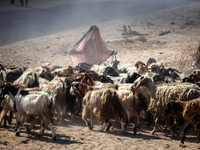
(122, 126)
(155, 126)
(10, 118)
(18, 128)
(188, 126)
(102, 127)
(41, 129)
(52, 130)
(134, 128)
(108, 126)
(91, 121)
(25, 128)
(3, 116)
(4, 123)
(181, 131)
(198, 134)
(85, 113)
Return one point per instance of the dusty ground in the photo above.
(174, 49)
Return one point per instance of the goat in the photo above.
(99, 69)
(138, 63)
(150, 61)
(30, 102)
(79, 90)
(132, 78)
(189, 111)
(104, 105)
(121, 68)
(57, 89)
(10, 74)
(142, 69)
(29, 77)
(130, 102)
(160, 96)
(110, 71)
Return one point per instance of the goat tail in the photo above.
(50, 103)
(49, 111)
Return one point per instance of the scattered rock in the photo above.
(167, 146)
(173, 23)
(142, 38)
(164, 32)
(4, 143)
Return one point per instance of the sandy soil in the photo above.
(174, 49)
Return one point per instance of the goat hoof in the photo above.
(28, 130)
(17, 134)
(182, 145)
(90, 127)
(101, 130)
(172, 137)
(54, 138)
(135, 132)
(152, 133)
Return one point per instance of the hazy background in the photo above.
(43, 17)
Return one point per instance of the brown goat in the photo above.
(189, 111)
(104, 105)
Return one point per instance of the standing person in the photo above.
(21, 1)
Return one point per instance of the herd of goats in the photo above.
(107, 92)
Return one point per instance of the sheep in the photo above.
(30, 102)
(104, 105)
(159, 96)
(189, 111)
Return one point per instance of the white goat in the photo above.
(30, 102)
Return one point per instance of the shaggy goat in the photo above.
(30, 102)
(57, 89)
(130, 102)
(189, 111)
(29, 77)
(104, 105)
(160, 96)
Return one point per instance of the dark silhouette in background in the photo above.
(21, 1)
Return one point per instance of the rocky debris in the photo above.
(164, 32)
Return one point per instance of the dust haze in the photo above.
(35, 20)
